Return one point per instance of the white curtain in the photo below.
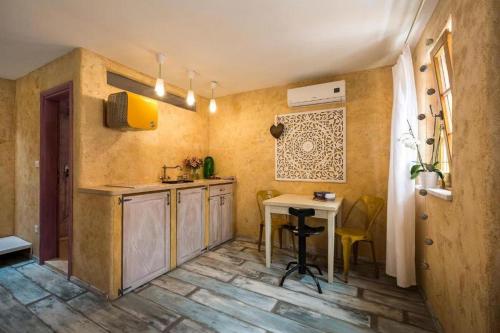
(400, 257)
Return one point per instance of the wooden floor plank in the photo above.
(317, 320)
(214, 319)
(157, 316)
(337, 287)
(208, 271)
(228, 268)
(275, 271)
(261, 267)
(309, 302)
(385, 289)
(423, 321)
(62, 318)
(250, 245)
(221, 257)
(108, 316)
(390, 326)
(255, 257)
(22, 288)
(54, 282)
(189, 326)
(245, 296)
(232, 246)
(264, 319)
(354, 303)
(398, 303)
(174, 285)
(16, 318)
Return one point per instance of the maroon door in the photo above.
(64, 180)
(56, 177)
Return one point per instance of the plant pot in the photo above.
(428, 179)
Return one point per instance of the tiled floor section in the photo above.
(226, 290)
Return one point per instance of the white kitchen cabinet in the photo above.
(215, 236)
(190, 226)
(227, 226)
(146, 238)
(221, 214)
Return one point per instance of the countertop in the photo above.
(125, 189)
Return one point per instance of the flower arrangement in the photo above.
(410, 141)
(193, 163)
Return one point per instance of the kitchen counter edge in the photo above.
(118, 190)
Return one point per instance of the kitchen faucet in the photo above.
(165, 167)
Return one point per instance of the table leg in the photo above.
(331, 245)
(338, 224)
(268, 236)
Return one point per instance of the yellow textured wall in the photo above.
(462, 282)
(27, 180)
(241, 145)
(7, 156)
(113, 156)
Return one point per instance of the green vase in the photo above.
(208, 167)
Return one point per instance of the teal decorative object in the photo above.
(208, 167)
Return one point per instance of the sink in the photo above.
(178, 181)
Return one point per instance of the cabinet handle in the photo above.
(222, 201)
(123, 200)
(168, 199)
(179, 197)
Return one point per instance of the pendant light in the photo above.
(213, 105)
(190, 98)
(160, 84)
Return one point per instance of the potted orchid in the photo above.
(427, 172)
(193, 164)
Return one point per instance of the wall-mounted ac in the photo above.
(331, 92)
(129, 111)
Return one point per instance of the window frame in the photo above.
(445, 43)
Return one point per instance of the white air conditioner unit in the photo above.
(330, 92)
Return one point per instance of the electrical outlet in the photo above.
(36, 228)
(37, 164)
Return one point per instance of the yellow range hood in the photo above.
(129, 111)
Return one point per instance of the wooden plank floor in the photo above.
(225, 290)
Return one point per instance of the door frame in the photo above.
(48, 218)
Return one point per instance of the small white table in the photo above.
(323, 210)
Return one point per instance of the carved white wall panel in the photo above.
(312, 146)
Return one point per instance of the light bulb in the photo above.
(212, 106)
(160, 87)
(190, 99)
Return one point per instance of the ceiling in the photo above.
(245, 45)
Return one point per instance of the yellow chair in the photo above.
(285, 225)
(364, 211)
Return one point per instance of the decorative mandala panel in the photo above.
(312, 146)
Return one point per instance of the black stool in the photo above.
(303, 231)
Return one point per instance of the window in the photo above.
(442, 61)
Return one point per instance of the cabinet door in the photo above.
(227, 225)
(146, 238)
(214, 238)
(190, 226)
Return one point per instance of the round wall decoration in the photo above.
(312, 146)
